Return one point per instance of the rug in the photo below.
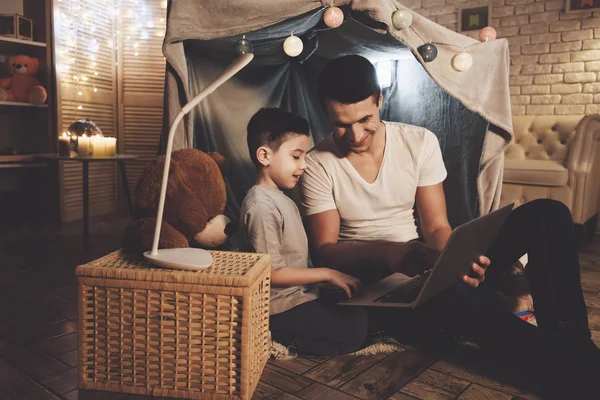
(383, 344)
(380, 345)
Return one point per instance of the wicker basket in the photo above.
(160, 332)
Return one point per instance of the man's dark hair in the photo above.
(348, 79)
(270, 127)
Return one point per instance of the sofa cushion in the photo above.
(520, 194)
(535, 172)
(545, 137)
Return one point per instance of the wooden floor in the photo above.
(38, 335)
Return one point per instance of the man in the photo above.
(358, 194)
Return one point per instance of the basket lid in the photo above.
(228, 269)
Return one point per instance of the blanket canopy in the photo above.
(468, 111)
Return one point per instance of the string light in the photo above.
(78, 50)
(462, 61)
(243, 46)
(333, 17)
(487, 33)
(402, 19)
(293, 46)
(428, 52)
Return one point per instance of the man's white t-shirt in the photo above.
(382, 210)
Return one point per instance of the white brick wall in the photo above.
(555, 57)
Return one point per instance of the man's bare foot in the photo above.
(514, 294)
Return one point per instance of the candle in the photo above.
(98, 149)
(110, 143)
(84, 146)
(74, 149)
(64, 145)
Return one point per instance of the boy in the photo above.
(271, 223)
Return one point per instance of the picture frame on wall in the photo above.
(475, 18)
(582, 6)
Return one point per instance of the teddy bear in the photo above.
(22, 86)
(195, 201)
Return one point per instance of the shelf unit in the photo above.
(22, 157)
(18, 104)
(28, 129)
(20, 42)
(22, 165)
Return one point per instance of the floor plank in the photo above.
(320, 391)
(387, 376)
(339, 370)
(14, 383)
(61, 383)
(284, 379)
(36, 332)
(422, 390)
(67, 291)
(477, 392)
(442, 381)
(78, 394)
(266, 392)
(39, 395)
(401, 396)
(33, 361)
(298, 365)
(60, 345)
(69, 358)
(476, 368)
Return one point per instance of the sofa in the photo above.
(556, 157)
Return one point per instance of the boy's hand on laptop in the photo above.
(348, 283)
(478, 274)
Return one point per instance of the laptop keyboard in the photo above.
(406, 293)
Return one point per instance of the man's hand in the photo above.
(478, 274)
(348, 283)
(410, 258)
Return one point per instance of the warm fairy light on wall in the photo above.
(77, 52)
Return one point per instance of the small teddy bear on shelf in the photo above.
(22, 86)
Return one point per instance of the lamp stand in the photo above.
(187, 258)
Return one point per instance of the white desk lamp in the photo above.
(187, 258)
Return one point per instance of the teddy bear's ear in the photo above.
(35, 63)
(221, 162)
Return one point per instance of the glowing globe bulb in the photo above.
(402, 19)
(462, 61)
(333, 17)
(243, 46)
(292, 46)
(487, 33)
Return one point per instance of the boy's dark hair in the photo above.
(348, 79)
(270, 127)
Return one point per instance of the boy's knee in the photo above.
(354, 333)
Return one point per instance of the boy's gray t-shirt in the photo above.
(271, 224)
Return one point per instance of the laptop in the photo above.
(465, 245)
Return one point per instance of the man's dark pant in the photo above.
(559, 350)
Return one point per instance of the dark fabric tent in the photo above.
(468, 111)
